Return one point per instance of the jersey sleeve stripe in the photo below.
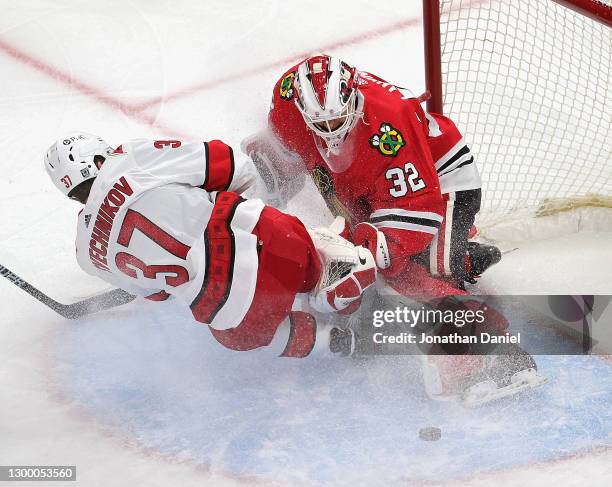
(206, 171)
(232, 168)
(460, 163)
(383, 220)
(441, 166)
(388, 212)
(450, 153)
(302, 335)
(220, 166)
(402, 225)
(220, 253)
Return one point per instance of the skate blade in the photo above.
(488, 391)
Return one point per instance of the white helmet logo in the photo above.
(70, 160)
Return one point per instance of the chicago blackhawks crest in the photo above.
(286, 86)
(388, 141)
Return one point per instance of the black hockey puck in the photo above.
(430, 434)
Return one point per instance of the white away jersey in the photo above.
(159, 218)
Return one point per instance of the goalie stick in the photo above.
(107, 300)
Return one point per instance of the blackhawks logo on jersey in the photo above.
(286, 87)
(388, 141)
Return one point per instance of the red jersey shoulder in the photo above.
(443, 136)
(393, 146)
(378, 87)
(393, 128)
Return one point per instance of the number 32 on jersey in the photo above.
(402, 178)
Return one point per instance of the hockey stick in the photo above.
(107, 300)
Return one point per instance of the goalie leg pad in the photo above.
(281, 171)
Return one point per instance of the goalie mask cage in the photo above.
(528, 83)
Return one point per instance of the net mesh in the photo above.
(528, 83)
(336, 270)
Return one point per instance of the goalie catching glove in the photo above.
(347, 271)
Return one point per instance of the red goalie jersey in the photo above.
(394, 169)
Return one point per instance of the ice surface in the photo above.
(141, 395)
(165, 384)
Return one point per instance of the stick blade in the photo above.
(101, 302)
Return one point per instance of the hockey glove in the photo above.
(347, 271)
(374, 240)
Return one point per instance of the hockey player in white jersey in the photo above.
(166, 218)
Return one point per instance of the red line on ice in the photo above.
(136, 111)
(81, 86)
(286, 62)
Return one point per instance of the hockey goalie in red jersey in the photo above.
(404, 180)
(166, 218)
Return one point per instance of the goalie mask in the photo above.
(328, 99)
(70, 160)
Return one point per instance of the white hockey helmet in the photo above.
(70, 160)
(327, 97)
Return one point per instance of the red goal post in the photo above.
(594, 9)
(528, 83)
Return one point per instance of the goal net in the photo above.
(528, 83)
